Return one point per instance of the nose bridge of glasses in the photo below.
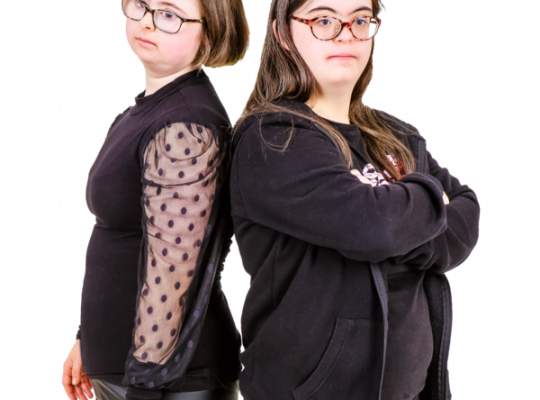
(150, 14)
(339, 28)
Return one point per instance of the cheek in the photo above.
(130, 30)
(308, 47)
(312, 57)
(366, 47)
(195, 36)
(183, 46)
(129, 27)
(365, 52)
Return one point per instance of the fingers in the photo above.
(70, 391)
(67, 380)
(83, 391)
(80, 393)
(86, 390)
(445, 198)
(75, 373)
(361, 177)
(76, 383)
(88, 380)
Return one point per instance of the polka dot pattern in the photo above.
(180, 173)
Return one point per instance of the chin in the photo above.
(342, 80)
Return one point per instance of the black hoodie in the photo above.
(318, 244)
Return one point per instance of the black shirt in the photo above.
(151, 291)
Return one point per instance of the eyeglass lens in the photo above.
(326, 28)
(164, 20)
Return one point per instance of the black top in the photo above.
(309, 233)
(151, 291)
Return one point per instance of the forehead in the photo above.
(339, 7)
(180, 5)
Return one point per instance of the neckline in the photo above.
(143, 102)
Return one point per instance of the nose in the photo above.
(345, 35)
(148, 21)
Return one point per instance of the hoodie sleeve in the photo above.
(452, 247)
(308, 192)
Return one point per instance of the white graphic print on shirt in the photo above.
(377, 178)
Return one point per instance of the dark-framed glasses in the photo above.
(328, 28)
(164, 20)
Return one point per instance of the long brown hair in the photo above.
(284, 74)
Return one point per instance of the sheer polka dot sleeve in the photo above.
(181, 167)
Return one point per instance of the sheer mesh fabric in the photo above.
(180, 170)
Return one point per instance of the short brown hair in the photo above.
(225, 36)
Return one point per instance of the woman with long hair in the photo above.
(344, 221)
(159, 191)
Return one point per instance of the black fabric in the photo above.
(116, 264)
(409, 342)
(108, 391)
(308, 232)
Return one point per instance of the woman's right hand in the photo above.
(445, 198)
(76, 383)
(362, 178)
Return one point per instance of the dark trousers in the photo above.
(108, 391)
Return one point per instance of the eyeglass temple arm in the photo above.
(147, 9)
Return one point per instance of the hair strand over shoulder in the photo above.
(284, 74)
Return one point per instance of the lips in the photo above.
(145, 41)
(342, 55)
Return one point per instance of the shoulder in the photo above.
(275, 128)
(275, 121)
(397, 126)
(198, 103)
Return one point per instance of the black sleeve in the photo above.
(78, 335)
(182, 181)
(308, 192)
(455, 244)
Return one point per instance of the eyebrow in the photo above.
(172, 5)
(326, 8)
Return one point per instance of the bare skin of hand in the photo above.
(76, 383)
(363, 179)
(445, 198)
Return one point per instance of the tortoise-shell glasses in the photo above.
(375, 21)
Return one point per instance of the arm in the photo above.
(181, 164)
(308, 192)
(455, 244)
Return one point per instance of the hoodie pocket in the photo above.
(350, 368)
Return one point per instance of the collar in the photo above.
(143, 102)
(347, 129)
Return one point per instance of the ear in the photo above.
(276, 34)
